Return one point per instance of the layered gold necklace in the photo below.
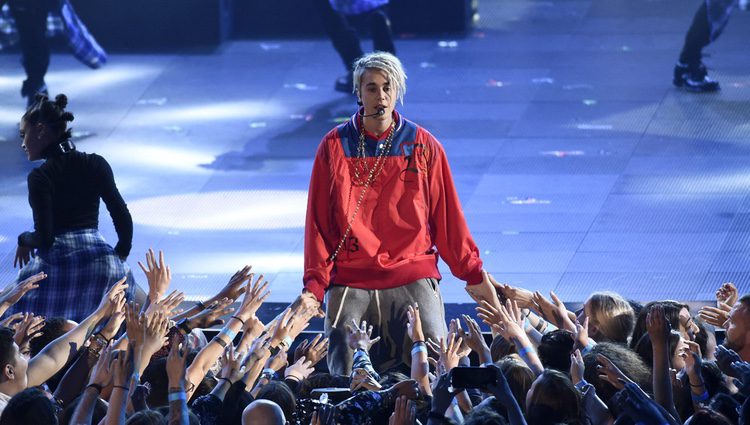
(372, 174)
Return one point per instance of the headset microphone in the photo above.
(380, 112)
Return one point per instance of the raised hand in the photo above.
(545, 308)
(158, 274)
(727, 294)
(450, 351)
(454, 327)
(609, 372)
(235, 287)
(715, 316)
(475, 340)
(168, 305)
(414, 324)
(211, 316)
(360, 336)
(23, 256)
(155, 329)
(405, 412)
(231, 365)
(122, 368)
(561, 314)
(693, 358)
(116, 317)
(300, 370)
(484, 291)
(577, 367)
(313, 351)
(582, 334)
(657, 325)
(14, 292)
(176, 360)
(253, 299)
(362, 380)
(277, 361)
(724, 359)
(27, 329)
(110, 301)
(101, 374)
(522, 297)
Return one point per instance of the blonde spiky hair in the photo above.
(388, 64)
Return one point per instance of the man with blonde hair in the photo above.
(381, 207)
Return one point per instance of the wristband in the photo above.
(177, 395)
(418, 342)
(183, 326)
(224, 379)
(200, 305)
(419, 349)
(587, 349)
(701, 397)
(137, 377)
(228, 332)
(697, 386)
(268, 371)
(274, 350)
(97, 387)
(99, 334)
(241, 321)
(524, 351)
(287, 341)
(581, 385)
(122, 387)
(219, 341)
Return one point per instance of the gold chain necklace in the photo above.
(372, 174)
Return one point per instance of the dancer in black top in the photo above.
(64, 195)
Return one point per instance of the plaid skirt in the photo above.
(80, 268)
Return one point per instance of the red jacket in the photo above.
(410, 210)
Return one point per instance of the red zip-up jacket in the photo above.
(410, 214)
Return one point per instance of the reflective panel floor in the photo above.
(579, 166)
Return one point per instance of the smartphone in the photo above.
(334, 395)
(472, 377)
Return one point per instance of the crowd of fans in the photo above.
(614, 361)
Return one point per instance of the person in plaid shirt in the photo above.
(30, 22)
(64, 194)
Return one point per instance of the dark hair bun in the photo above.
(61, 101)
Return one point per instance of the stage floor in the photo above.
(579, 166)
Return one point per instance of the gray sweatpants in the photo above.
(385, 310)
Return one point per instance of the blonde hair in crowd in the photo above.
(612, 315)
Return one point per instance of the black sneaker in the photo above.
(345, 83)
(694, 78)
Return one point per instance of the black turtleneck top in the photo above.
(64, 195)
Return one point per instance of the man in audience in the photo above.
(738, 328)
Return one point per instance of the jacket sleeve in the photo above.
(320, 239)
(117, 208)
(448, 227)
(40, 200)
